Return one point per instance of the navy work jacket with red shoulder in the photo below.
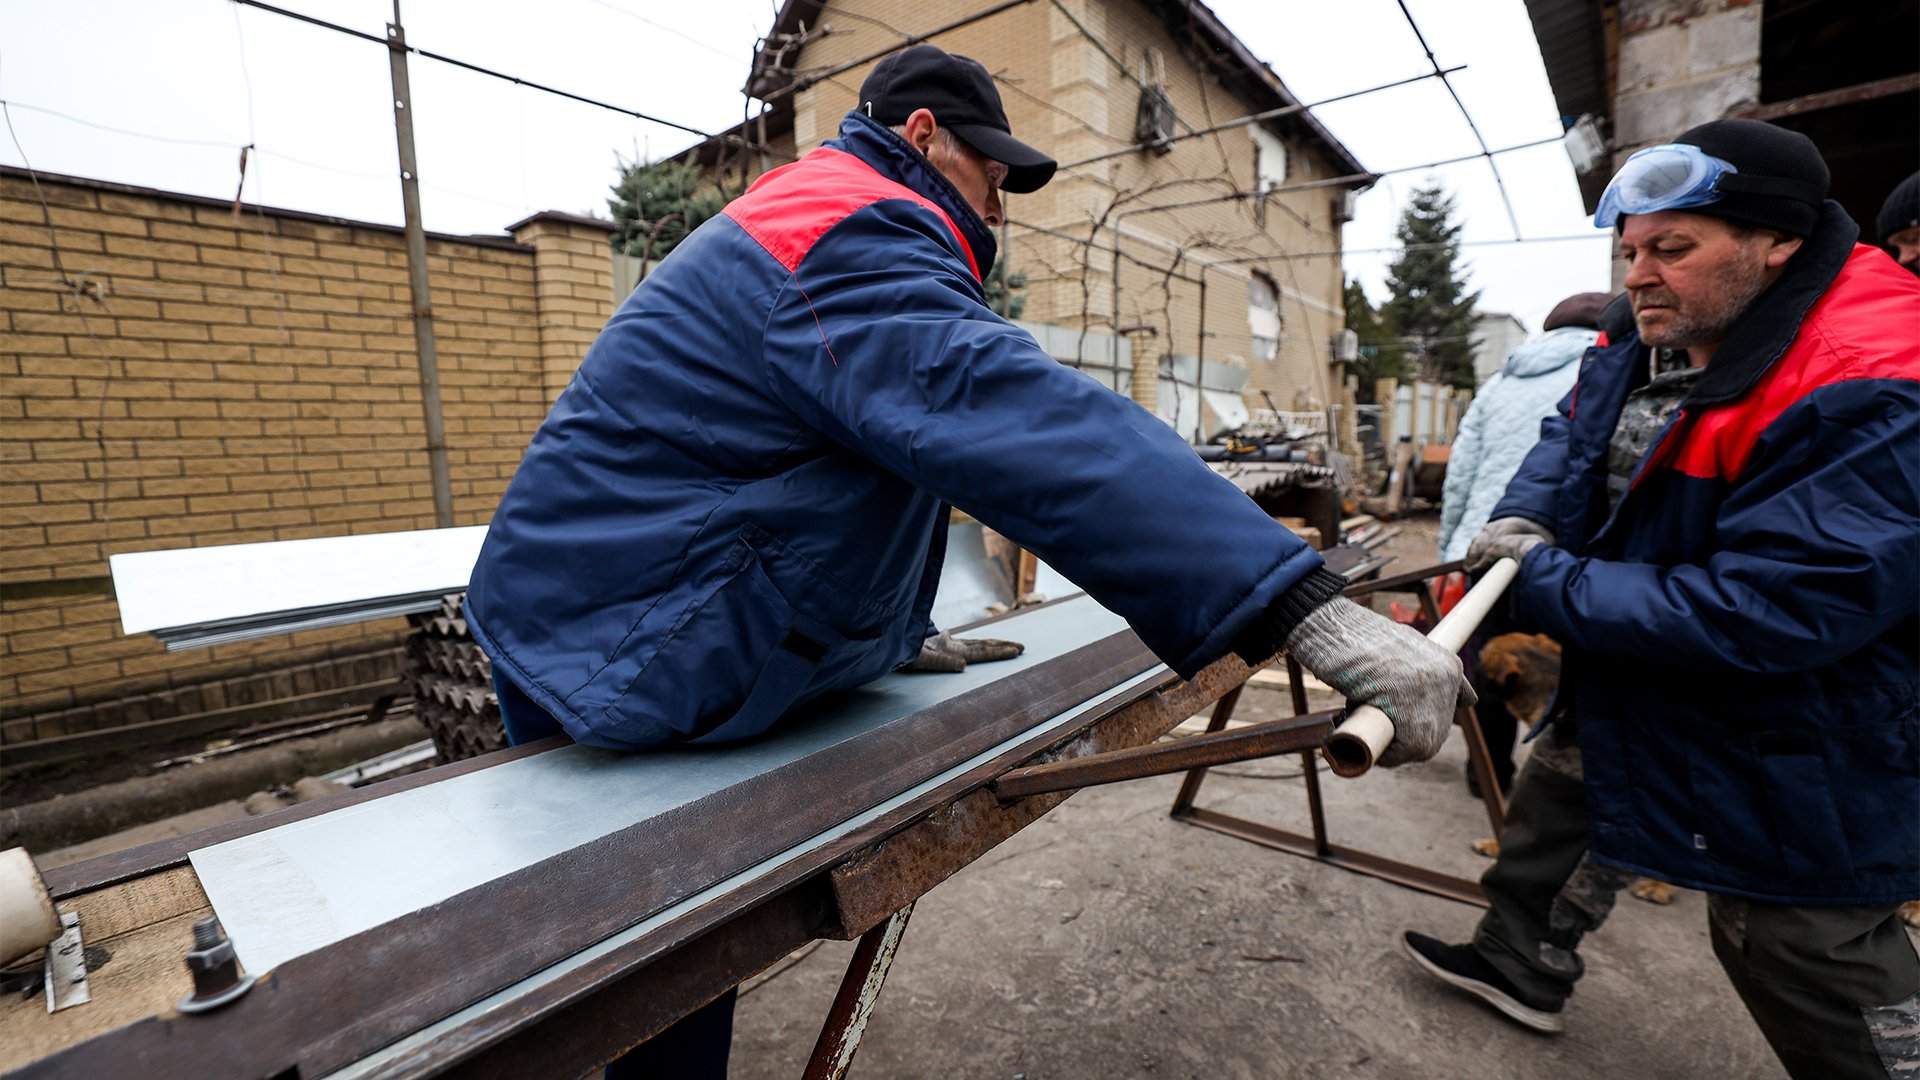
(1741, 629)
(740, 501)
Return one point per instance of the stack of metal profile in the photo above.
(452, 683)
(194, 597)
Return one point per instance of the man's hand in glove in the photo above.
(1505, 538)
(946, 653)
(1375, 661)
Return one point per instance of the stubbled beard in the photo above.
(1705, 321)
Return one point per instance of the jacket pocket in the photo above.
(730, 667)
(1732, 824)
(816, 596)
(1799, 795)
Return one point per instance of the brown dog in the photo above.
(1527, 666)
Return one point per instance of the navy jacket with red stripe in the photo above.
(740, 501)
(1741, 633)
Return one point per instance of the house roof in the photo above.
(1191, 23)
(1572, 35)
(1243, 71)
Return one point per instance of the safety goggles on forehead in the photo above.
(1676, 176)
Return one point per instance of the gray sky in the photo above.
(214, 76)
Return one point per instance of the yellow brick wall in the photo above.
(573, 290)
(1065, 96)
(208, 380)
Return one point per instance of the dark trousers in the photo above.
(1836, 991)
(697, 1045)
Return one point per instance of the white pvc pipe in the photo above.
(1363, 736)
(27, 919)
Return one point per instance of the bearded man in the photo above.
(1721, 526)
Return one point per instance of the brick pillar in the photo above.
(573, 288)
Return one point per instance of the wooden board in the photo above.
(137, 934)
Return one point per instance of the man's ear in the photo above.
(1781, 249)
(921, 127)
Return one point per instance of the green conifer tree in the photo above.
(1429, 306)
(656, 204)
(1381, 356)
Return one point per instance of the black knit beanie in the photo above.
(1784, 163)
(1902, 209)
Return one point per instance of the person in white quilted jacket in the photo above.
(1503, 422)
(1499, 429)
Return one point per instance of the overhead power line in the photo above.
(801, 82)
(482, 70)
(1397, 248)
(665, 29)
(1108, 53)
(260, 151)
(1512, 218)
(1259, 117)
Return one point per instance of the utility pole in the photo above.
(417, 276)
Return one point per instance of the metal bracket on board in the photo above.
(66, 976)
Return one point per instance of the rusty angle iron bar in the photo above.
(1265, 739)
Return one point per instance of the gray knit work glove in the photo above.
(1373, 660)
(945, 653)
(1505, 538)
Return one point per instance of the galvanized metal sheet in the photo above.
(969, 584)
(197, 586)
(375, 1064)
(1051, 583)
(288, 891)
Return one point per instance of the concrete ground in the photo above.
(1108, 941)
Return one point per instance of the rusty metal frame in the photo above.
(1318, 846)
(1249, 743)
(854, 1003)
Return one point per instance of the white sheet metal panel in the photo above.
(1051, 583)
(192, 586)
(968, 581)
(290, 890)
(1229, 410)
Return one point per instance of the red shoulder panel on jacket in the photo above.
(790, 208)
(1864, 327)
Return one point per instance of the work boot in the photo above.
(1461, 966)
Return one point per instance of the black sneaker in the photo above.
(1461, 966)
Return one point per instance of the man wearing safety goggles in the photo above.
(1722, 527)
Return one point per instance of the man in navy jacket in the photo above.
(1721, 526)
(740, 502)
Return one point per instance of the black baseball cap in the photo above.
(961, 96)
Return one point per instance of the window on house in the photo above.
(1263, 316)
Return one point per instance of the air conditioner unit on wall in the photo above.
(1153, 123)
(1346, 206)
(1586, 147)
(1346, 346)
